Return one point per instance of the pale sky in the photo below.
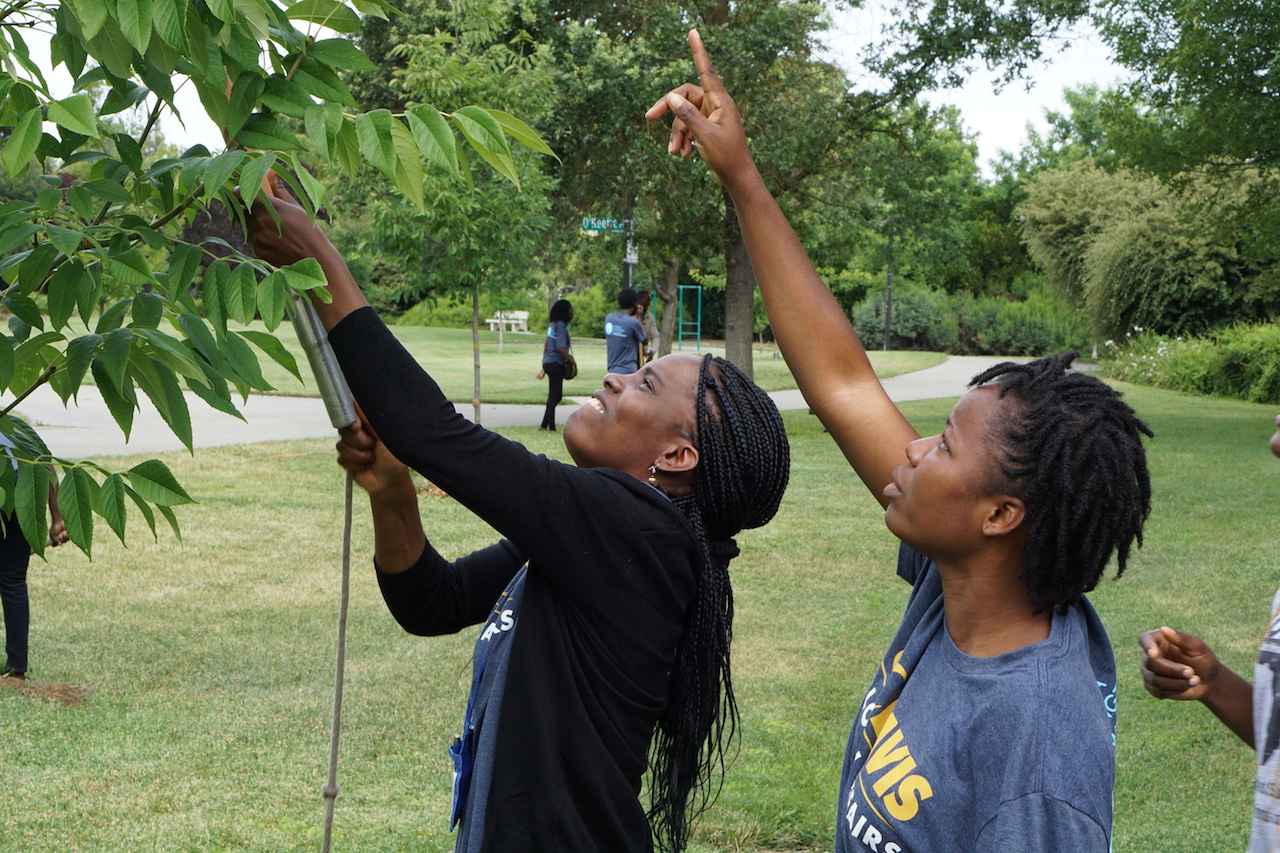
(998, 120)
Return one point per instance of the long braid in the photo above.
(1072, 450)
(743, 465)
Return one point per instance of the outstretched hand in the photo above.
(706, 118)
(1177, 665)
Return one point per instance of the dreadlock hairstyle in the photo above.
(1071, 448)
(744, 461)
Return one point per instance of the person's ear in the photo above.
(679, 457)
(1004, 516)
(673, 470)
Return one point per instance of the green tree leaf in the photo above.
(271, 300)
(22, 143)
(239, 293)
(64, 291)
(130, 268)
(483, 132)
(521, 132)
(155, 483)
(184, 262)
(135, 22)
(245, 94)
(376, 141)
(120, 400)
(114, 355)
(408, 164)
(341, 53)
(75, 502)
(347, 147)
(160, 384)
(263, 131)
(65, 240)
(328, 13)
(111, 504)
(31, 502)
(434, 136)
(275, 350)
(148, 514)
(305, 275)
(76, 114)
(170, 22)
(80, 354)
(321, 81)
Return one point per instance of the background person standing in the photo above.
(623, 335)
(555, 357)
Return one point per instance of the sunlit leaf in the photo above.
(521, 132)
(76, 114)
(434, 136)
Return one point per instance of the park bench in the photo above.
(510, 321)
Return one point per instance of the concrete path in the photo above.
(87, 430)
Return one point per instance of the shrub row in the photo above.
(1240, 361)
(965, 324)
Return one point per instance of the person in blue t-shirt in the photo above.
(989, 724)
(556, 359)
(623, 335)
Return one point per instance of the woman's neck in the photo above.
(988, 611)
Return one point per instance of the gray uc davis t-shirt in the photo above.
(1008, 753)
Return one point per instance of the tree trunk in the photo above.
(475, 345)
(668, 288)
(739, 294)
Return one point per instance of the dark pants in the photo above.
(555, 390)
(15, 554)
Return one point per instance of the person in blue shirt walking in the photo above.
(623, 335)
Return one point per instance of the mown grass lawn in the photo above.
(210, 659)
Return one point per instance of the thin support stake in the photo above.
(330, 790)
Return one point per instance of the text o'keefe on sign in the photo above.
(602, 223)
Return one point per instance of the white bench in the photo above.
(511, 321)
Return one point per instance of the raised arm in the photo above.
(820, 345)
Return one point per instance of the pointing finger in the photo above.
(706, 71)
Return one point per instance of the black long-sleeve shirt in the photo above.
(611, 572)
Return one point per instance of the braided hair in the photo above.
(743, 465)
(1072, 450)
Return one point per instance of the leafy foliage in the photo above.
(105, 249)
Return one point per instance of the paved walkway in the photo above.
(87, 430)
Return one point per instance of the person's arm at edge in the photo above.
(820, 346)
(1181, 666)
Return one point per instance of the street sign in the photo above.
(602, 223)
